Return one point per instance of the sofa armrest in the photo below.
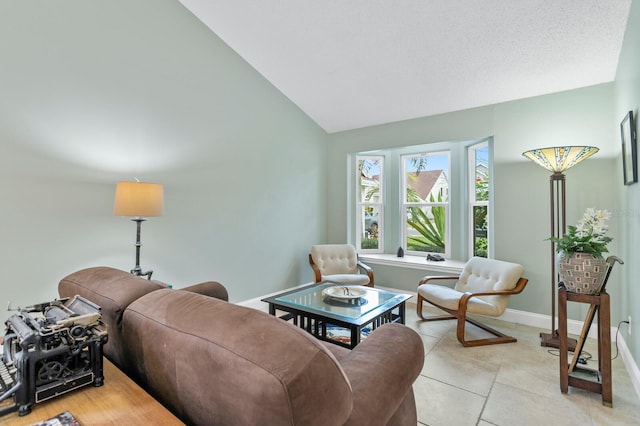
(113, 290)
(209, 288)
(381, 370)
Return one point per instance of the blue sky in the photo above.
(437, 162)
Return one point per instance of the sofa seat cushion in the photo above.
(263, 370)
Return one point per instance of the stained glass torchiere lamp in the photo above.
(557, 160)
(139, 200)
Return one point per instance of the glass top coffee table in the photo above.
(317, 307)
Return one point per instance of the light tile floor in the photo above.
(509, 384)
(513, 384)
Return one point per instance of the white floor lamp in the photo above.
(557, 160)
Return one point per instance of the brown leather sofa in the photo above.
(215, 363)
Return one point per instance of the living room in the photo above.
(95, 94)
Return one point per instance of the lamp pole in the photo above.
(558, 220)
(137, 270)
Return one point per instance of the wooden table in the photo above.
(120, 401)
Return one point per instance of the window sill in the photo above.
(414, 262)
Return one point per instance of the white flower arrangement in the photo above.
(589, 236)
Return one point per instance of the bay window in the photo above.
(432, 198)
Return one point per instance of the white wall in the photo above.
(96, 92)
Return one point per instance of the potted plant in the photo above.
(581, 263)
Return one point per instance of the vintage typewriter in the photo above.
(49, 349)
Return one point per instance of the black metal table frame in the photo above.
(316, 323)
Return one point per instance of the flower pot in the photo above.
(581, 272)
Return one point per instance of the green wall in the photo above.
(96, 92)
(627, 98)
(521, 206)
(588, 116)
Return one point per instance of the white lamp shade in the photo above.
(140, 199)
(560, 158)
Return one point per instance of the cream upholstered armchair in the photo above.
(339, 263)
(483, 287)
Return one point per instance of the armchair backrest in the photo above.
(483, 275)
(334, 259)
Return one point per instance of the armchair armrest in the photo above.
(209, 288)
(464, 300)
(428, 278)
(381, 371)
(316, 271)
(367, 270)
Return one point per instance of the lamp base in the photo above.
(552, 340)
(138, 271)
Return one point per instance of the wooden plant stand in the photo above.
(599, 380)
(571, 374)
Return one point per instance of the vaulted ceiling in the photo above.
(356, 63)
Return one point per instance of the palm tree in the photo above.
(431, 230)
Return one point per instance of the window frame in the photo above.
(472, 202)
(458, 219)
(361, 204)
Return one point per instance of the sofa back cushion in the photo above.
(113, 290)
(212, 362)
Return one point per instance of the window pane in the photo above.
(426, 228)
(482, 173)
(426, 200)
(480, 242)
(370, 228)
(369, 180)
(370, 201)
(479, 199)
(426, 178)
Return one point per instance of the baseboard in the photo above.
(529, 318)
(630, 364)
(544, 321)
(524, 318)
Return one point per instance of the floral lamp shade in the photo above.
(560, 158)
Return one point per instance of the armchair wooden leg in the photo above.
(500, 337)
(460, 330)
(430, 318)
